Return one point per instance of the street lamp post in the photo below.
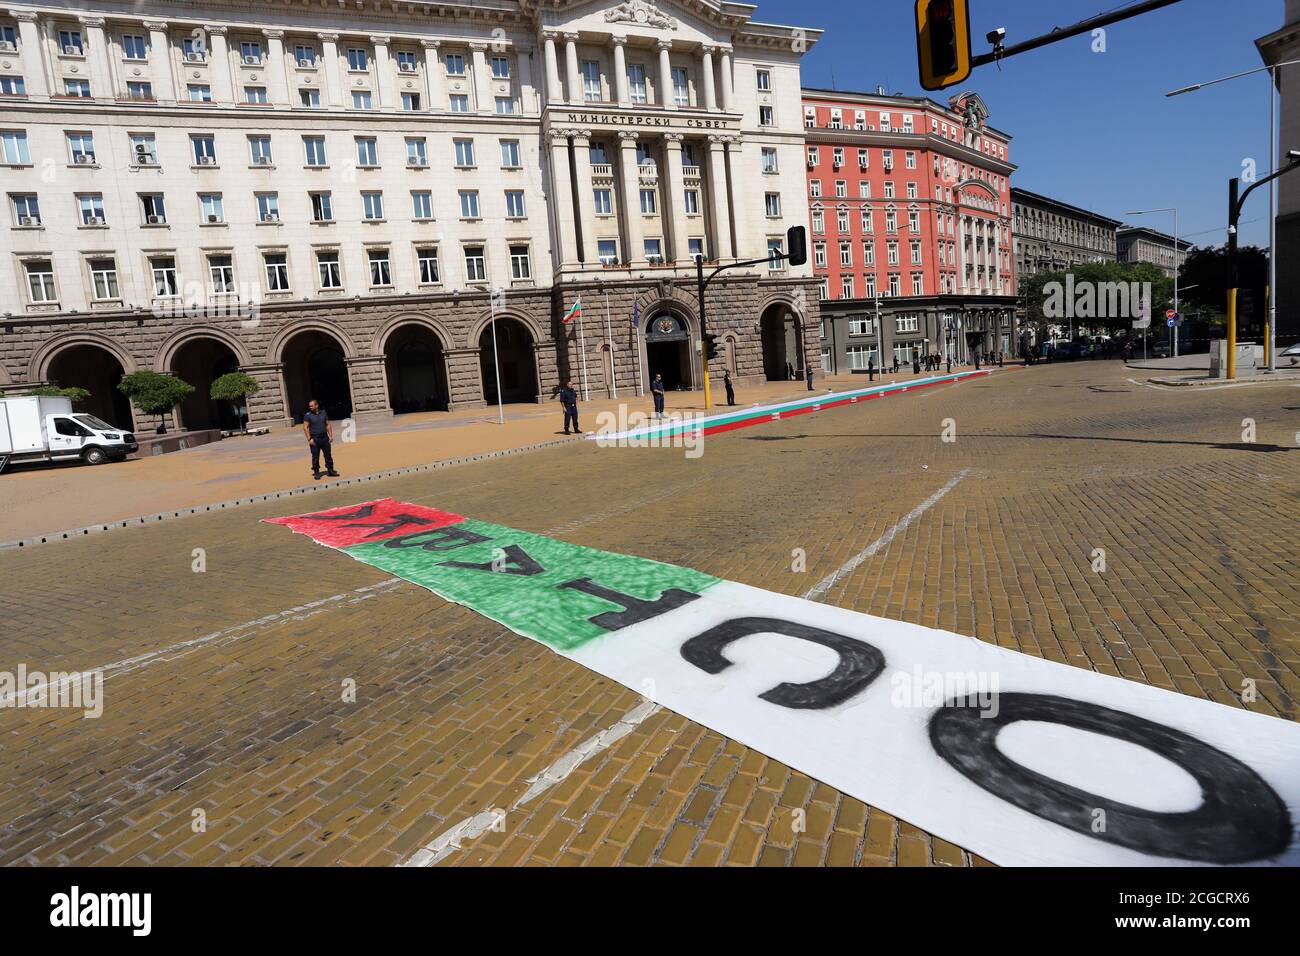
(1270, 333)
(1177, 268)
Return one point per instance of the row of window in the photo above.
(894, 288)
(947, 167)
(26, 207)
(836, 118)
(220, 280)
(944, 221)
(15, 150)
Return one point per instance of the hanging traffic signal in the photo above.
(796, 242)
(943, 42)
(710, 346)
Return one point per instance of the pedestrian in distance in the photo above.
(569, 400)
(789, 372)
(320, 439)
(808, 374)
(731, 389)
(657, 390)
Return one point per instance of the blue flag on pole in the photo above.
(636, 317)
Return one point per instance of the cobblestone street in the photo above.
(226, 690)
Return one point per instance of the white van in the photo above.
(43, 429)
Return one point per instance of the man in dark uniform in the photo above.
(657, 390)
(320, 438)
(569, 399)
(731, 390)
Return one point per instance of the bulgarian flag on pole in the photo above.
(575, 312)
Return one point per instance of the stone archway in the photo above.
(315, 366)
(781, 332)
(200, 361)
(513, 355)
(668, 351)
(98, 371)
(415, 369)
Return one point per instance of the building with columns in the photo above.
(391, 207)
(910, 212)
(1138, 244)
(1052, 236)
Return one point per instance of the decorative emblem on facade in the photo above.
(642, 13)
(971, 107)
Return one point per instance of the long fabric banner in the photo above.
(1021, 760)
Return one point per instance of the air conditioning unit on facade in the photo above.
(214, 219)
(406, 67)
(71, 50)
(251, 60)
(94, 221)
(263, 161)
(196, 57)
(207, 160)
(7, 47)
(154, 220)
(28, 221)
(270, 217)
(414, 161)
(85, 159)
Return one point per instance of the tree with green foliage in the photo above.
(53, 391)
(1036, 291)
(235, 387)
(155, 393)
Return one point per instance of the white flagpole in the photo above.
(582, 354)
(636, 344)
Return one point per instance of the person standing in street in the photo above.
(731, 389)
(657, 390)
(320, 439)
(569, 400)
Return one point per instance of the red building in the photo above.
(910, 207)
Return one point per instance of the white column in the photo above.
(219, 65)
(101, 74)
(277, 71)
(574, 76)
(665, 75)
(747, 246)
(433, 75)
(562, 199)
(160, 58)
(527, 88)
(706, 69)
(35, 56)
(676, 198)
(482, 79)
(722, 247)
(586, 195)
(620, 71)
(552, 69)
(728, 94)
(384, 77)
(630, 194)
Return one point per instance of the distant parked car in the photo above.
(1290, 357)
(1160, 350)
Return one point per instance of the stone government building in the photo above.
(339, 200)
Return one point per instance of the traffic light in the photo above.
(710, 346)
(796, 241)
(943, 42)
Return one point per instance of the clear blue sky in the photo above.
(1092, 129)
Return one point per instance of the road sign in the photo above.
(1171, 322)
(1171, 315)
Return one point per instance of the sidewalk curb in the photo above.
(149, 519)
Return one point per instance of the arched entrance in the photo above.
(201, 361)
(98, 371)
(781, 333)
(668, 352)
(416, 370)
(514, 349)
(315, 367)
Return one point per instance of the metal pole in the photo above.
(1234, 208)
(1270, 333)
(582, 354)
(1084, 26)
(496, 362)
(1178, 315)
(704, 358)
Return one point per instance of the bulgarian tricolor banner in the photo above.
(1019, 759)
(575, 312)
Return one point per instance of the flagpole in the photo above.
(582, 354)
(636, 344)
(496, 360)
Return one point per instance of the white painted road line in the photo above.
(828, 582)
(450, 840)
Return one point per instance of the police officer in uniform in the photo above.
(320, 438)
(569, 400)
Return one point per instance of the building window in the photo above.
(212, 209)
(869, 253)
(82, 148)
(358, 60)
(411, 102)
(810, 117)
(221, 270)
(194, 49)
(40, 280)
(654, 251)
(763, 80)
(510, 154)
(70, 43)
(417, 153)
(144, 149)
(427, 260)
(91, 206)
(380, 273)
(823, 289)
(515, 204)
(916, 252)
(250, 51)
(908, 322)
(815, 188)
(305, 55)
(27, 211)
(328, 270)
(819, 255)
(505, 105)
(918, 284)
(259, 150)
(814, 156)
(681, 86)
(895, 284)
(818, 220)
(163, 270)
(13, 148)
(103, 279)
(636, 82)
(772, 203)
(464, 153)
(268, 207)
(769, 159)
(604, 202)
(406, 62)
(648, 202)
(458, 103)
(695, 249)
(12, 86)
(469, 203)
(861, 325)
(842, 220)
(455, 64)
(255, 94)
(475, 264)
(277, 271)
(362, 100)
(500, 68)
(205, 150)
(691, 200)
(520, 267)
(422, 204)
(607, 250)
(322, 207)
(198, 92)
(367, 151)
(372, 203)
(775, 249)
(846, 254)
(846, 287)
(314, 150)
(79, 88)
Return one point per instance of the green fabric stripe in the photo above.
(533, 604)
